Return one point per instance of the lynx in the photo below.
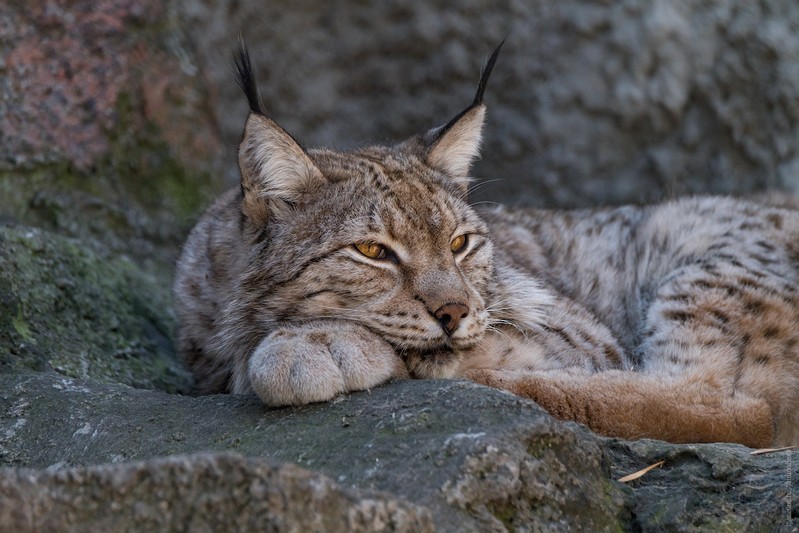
(334, 271)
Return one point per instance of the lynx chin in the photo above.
(327, 272)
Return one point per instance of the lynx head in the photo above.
(382, 236)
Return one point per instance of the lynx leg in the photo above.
(718, 360)
(631, 405)
(314, 362)
(732, 324)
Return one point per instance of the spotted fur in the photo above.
(678, 321)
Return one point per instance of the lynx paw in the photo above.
(314, 363)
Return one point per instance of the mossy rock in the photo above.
(83, 313)
(106, 126)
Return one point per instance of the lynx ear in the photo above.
(457, 144)
(275, 170)
(453, 147)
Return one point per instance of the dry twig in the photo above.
(636, 475)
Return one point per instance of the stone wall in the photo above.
(590, 102)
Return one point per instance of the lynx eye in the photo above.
(458, 244)
(372, 250)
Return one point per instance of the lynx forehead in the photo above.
(327, 272)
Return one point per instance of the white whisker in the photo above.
(478, 186)
(485, 202)
(494, 322)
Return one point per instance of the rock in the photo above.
(478, 459)
(104, 128)
(709, 487)
(66, 306)
(205, 492)
(599, 102)
(107, 139)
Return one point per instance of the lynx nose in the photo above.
(450, 315)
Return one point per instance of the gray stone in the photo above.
(205, 492)
(84, 312)
(590, 102)
(709, 487)
(478, 459)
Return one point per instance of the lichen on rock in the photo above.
(66, 307)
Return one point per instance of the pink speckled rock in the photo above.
(105, 128)
(67, 66)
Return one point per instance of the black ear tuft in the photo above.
(246, 78)
(484, 75)
(481, 87)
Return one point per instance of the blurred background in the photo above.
(591, 101)
(120, 118)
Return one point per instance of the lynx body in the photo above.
(328, 272)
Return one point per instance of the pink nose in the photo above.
(450, 316)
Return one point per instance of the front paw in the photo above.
(314, 363)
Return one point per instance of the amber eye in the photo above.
(372, 250)
(458, 244)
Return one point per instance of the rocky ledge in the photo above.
(409, 456)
